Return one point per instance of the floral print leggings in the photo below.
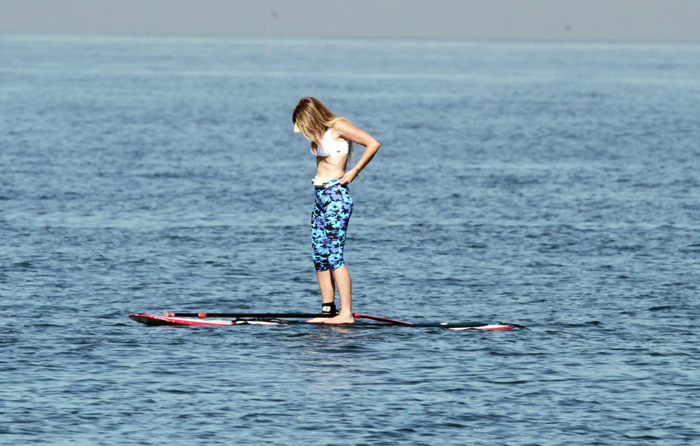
(329, 225)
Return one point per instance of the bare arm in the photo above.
(353, 133)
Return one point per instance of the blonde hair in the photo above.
(313, 119)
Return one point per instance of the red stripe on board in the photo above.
(182, 321)
(500, 327)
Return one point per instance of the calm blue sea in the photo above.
(556, 186)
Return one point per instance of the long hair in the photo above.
(313, 119)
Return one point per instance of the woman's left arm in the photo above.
(353, 133)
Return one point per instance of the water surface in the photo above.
(551, 185)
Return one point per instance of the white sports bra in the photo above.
(330, 146)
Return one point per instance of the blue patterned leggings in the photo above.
(329, 225)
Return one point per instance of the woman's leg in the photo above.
(344, 282)
(320, 244)
(326, 285)
(337, 219)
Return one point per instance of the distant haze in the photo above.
(627, 20)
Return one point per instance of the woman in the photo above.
(331, 139)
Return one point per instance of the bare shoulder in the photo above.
(341, 128)
(347, 130)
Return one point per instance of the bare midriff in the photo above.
(331, 166)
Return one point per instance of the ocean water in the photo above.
(550, 185)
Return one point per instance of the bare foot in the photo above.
(341, 319)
